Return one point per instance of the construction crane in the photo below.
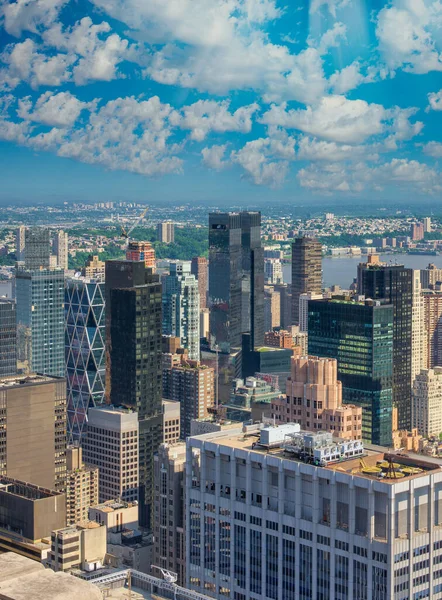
(168, 576)
(125, 234)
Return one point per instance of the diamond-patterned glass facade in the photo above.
(85, 357)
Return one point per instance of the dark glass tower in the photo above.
(360, 336)
(8, 338)
(306, 271)
(394, 284)
(37, 248)
(133, 319)
(236, 279)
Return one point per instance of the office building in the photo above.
(205, 323)
(40, 321)
(265, 359)
(37, 248)
(306, 271)
(20, 243)
(251, 399)
(273, 271)
(169, 548)
(314, 400)
(84, 351)
(236, 279)
(359, 335)
(60, 247)
(272, 308)
(200, 270)
(116, 516)
(432, 306)
(430, 276)
(94, 268)
(78, 547)
(8, 337)
(141, 251)
(279, 339)
(33, 430)
(172, 418)
(181, 307)
(394, 284)
(28, 513)
(419, 335)
(193, 386)
(273, 526)
(427, 224)
(134, 370)
(116, 430)
(285, 311)
(166, 232)
(81, 486)
(303, 308)
(417, 232)
(427, 402)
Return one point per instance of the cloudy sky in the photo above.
(276, 100)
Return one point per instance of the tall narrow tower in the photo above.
(306, 271)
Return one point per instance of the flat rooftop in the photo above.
(375, 460)
(25, 380)
(25, 490)
(111, 505)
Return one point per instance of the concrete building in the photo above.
(116, 431)
(181, 307)
(419, 335)
(166, 232)
(172, 417)
(94, 268)
(8, 337)
(303, 308)
(417, 232)
(200, 269)
(430, 276)
(427, 402)
(205, 323)
(28, 513)
(273, 271)
(169, 547)
(115, 515)
(37, 248)
(427, 224)
(278, 339)
(81, 486)
(81, 546)
(314, 400)
(141, 251)
(306, 271)
(272, 308)
(272, 526)
(432, 301)
(33, 430)
(20, 243)
(285, 295)
(60, 247)
(21, 576)
(251, 399)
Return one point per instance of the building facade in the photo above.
(262, 526)
(33, 430)
(81, 486)
(303, 308)
(81, 546)
(60, 246)
(172, 419)
(141, 251)
(394, 284)
(306, 271)
(181, 307)
(116, 431)
(432, 307)
(84, 351)
(427, 402)
(94, 268)
(200, 269)
(37, 248)
(272, 308)
(20, 243)
(166, 232)
(359, 335)
(8, 337)
(419, 335)
(40, 321)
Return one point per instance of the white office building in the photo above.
(303, 309)
(288, 515)
(427, 402)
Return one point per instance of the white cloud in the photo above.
(335, 118)
(58, 110)
(331, 38)
(433, 149)
(348, 78)
(331, 5)
(320, 150)
(30, 15)
(435, 100)
(213, 156)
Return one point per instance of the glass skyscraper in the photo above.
(37, 248)
(8, 337)
(40, 321)
(360, 336)
(84, 346)
(394, 284)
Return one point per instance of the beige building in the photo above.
(314, 400)
(81, 486)
(169, 548)
(81, 546)
(115, 515)
(33, 430)
(433, 325)
(94, 268)
(427, 402)
(166, 232)
(272, 308)
(111, 443)
(60, 247)
(419, 336)
(205, 323)
(171, 427)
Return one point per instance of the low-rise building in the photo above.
(81, 546)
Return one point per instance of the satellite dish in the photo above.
(77, 274)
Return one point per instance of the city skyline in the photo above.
(314, 98)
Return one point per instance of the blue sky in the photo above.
(212, 100)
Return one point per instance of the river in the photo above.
(342, 270)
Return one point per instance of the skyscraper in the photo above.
(306, 271)
(166, 232)
(394, 283)
(419, 336)
(84, 351)
(40, 321)
(20, 243)
(141, 251)
(61, 249)
(236, 279)
(37, 248)
(427, 402)
(432, 301)
(133, 336)
(8, 337)
(200, 270)
(181, 307)
(360, 336)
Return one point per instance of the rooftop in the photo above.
(25, 490)
(113, 505)
(24, 380)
